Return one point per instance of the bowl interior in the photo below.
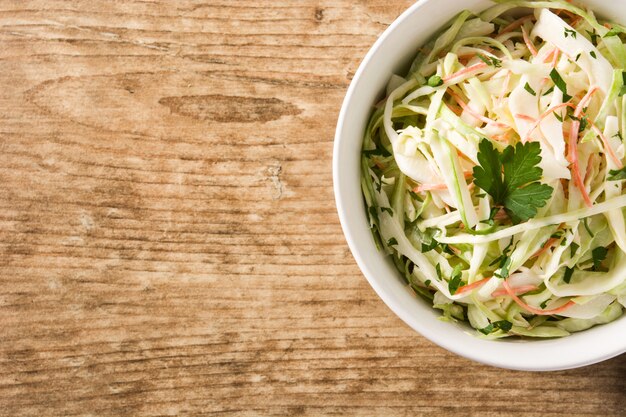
(391, 54)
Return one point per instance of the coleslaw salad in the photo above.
(493, 172)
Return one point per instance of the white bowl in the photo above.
(391, 54)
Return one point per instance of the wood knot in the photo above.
(230, 109)
(319, 14)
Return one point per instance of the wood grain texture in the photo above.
(168, 237)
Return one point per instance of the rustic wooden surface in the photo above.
(168, 237)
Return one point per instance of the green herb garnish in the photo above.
(560, 84)
(598, 255)
(491, 61)
(512, 177)
(530, 90)
(570, 32)
(617, 174)
(568, 274)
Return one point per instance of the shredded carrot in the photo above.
(543, 116)
(464, 71)
(525, 117)
(555, 58)
(501, 138)
(590, 163)
(550, 55)
(572, 151)
(545, 247)
(429, 187)
(456, 110)
(516, 23)
(505, 87)
(575, 21)
(528, 42)
(472, 286)
(531, 309)
(471, 112)
(607, 146)
(584, 102)
(572, 156)
(517, 290)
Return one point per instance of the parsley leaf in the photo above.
(435, 81)
(586, 224)
(583, 122)
(598, 255)
(530, 90)
(491, 61)
(558, 117)
(560, 83)
(389, 210)
(377, 152)
(570, 32)
(512, 177)
(617, 174)
(503, 325)
(568, 274)
(594, 37)
(455, 279)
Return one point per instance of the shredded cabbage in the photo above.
(515, 260)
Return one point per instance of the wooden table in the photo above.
(168, 236)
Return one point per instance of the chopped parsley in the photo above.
(583, 122)
(512, 177)
(578, 57)
(586, 224)
(560, 84)
(617, 174)
(503, 325)
(435, 81)
(438, 270)
(598, 255)
(551, 89)
(392, 242)
(573, 248)
(504, 260)
(377, 152)
(570, 32)
(558, 117)
(568, 274)
(427, 283)
(389, 210)
(593, 37)
(544, 304)
(490, 60)
(374, 214)
(593, 54)
(530, 90)
(455, 279)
